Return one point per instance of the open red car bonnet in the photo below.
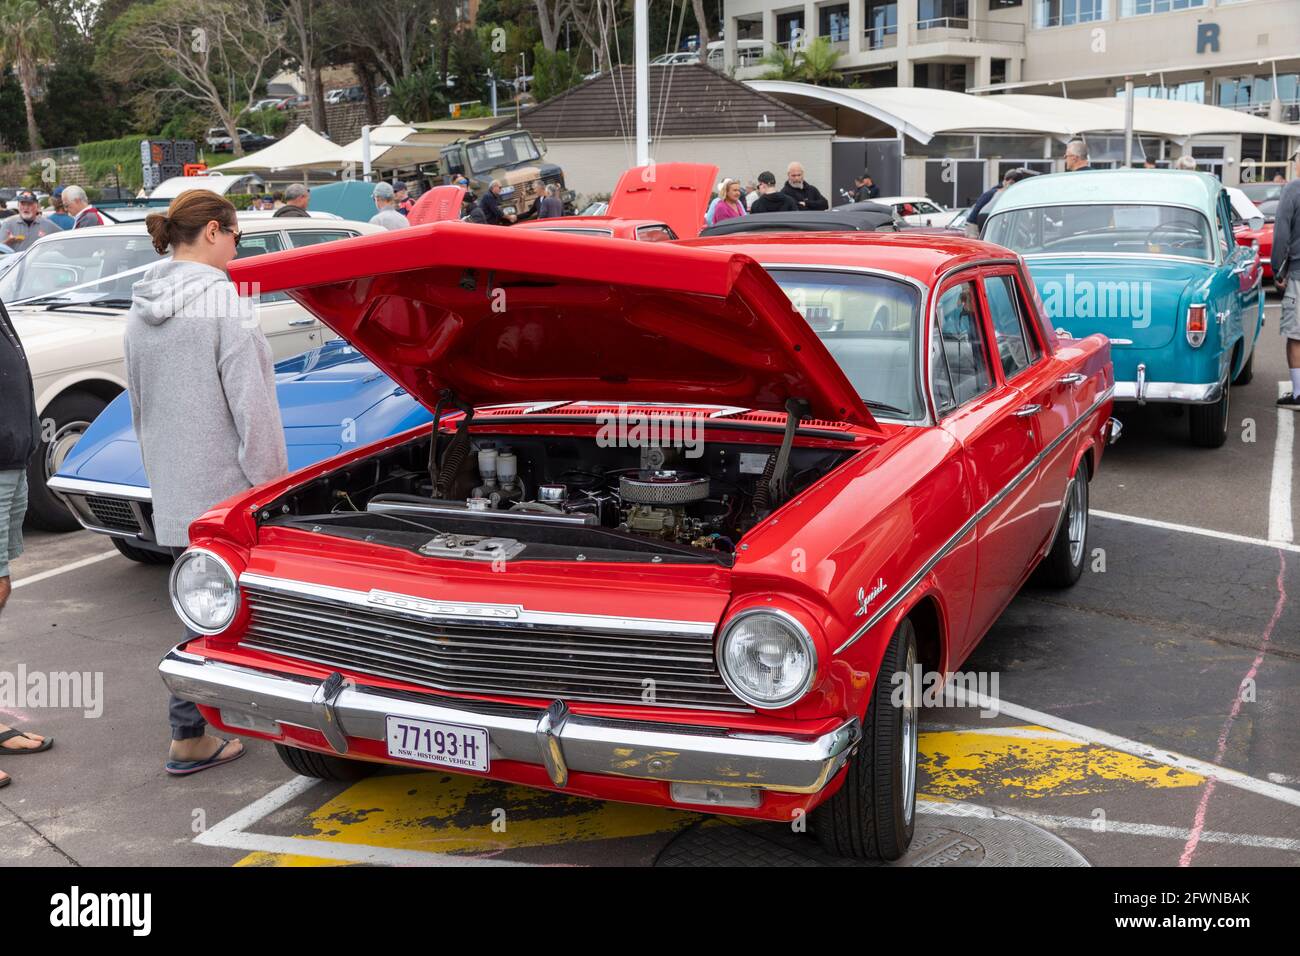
(440, 204)
(496, 315)
(675, 193)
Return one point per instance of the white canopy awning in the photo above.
(919, 112)
(389, 148)
(304, 148)
(1182, 119)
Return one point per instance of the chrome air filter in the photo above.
(663, 488)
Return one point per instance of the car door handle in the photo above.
(1024, 411)
(298, 322)
(1074, 378)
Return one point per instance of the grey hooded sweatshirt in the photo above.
(202, 384)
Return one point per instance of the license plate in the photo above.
(429, 741)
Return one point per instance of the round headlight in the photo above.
(767, 658)
(204, 591)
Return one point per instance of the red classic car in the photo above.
(695, 516)
(644, 230)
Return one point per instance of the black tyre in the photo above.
(141, 555)
(1208, 424)
(309, 763)
(70, 415)
(1063, 565)
(873, 815)
(1247, 371)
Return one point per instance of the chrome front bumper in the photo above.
(554, 738)
(1182, 393)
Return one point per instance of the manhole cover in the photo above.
(949, 834)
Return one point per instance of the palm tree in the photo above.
(819, 61)
(26, 39)
(785, 62)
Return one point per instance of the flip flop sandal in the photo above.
(179, 768)
(46, 744)
(5, 782)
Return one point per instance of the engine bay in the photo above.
(501, 496)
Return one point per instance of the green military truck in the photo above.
(515, 158)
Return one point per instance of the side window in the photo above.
(256, 244)
(959, 358)
(1016, 347)
(1225, 226)
(298, 238)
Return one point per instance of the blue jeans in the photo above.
(187, 723)
(13, 508)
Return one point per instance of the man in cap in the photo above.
(771, 199)
(17, 232)
(402, 198)
(387, 216)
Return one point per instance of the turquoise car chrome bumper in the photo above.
(1182, 393)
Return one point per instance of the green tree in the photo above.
(819, 63)
(26, 40)
(553, 73)
(786, 64)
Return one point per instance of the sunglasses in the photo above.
(234, 232)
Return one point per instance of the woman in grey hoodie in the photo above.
(202, 385)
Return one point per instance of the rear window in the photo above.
(1139, 229)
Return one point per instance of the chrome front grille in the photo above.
(547, 662)
(116, 514)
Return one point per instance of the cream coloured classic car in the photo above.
(68, 299)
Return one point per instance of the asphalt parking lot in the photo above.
(1149, 716)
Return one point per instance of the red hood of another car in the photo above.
(503, 315)
(675, 193)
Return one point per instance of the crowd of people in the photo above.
(66, 208)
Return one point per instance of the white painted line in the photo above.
(1232, 778)
(93, 559)
(1282, 778)
(231, 833)
(1280, 527)
(1053, 822)
(1190, 529)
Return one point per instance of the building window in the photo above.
(942, 14)
(997, 71)
(1066, 13)
(1190, 92)
(833, 23)
(1140, 8)
(940, 76)
(789, 27)
(882, 21)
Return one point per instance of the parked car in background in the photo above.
(266, 104)
(864, 217)
(518, 595)
(219, 140)
(919, 210)
(1146, 257)
(346, 94)
(293, 102)
(68, 299)
(1252, 228)
(645, 230)
(1265, 196)
(331, 398)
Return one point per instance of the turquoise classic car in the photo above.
(1147, 258)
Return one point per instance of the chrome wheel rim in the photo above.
(61, 445)
(909, 734)
(1077, 527)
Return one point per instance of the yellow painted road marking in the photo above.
(451, 813)
(1017, 762)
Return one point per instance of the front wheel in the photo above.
(1208, 424)
(61, 427)
(873, 815)
(309, 763)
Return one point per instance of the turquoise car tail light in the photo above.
(1196, 325)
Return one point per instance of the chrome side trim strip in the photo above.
(462, 612)
(103, 488)
(970, 524)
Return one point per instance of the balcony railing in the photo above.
(964, 28)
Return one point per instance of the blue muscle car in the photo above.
(330, 397)
(1147, 258)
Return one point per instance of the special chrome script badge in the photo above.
(404, 602)
(865, 599)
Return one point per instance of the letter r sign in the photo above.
(1207, 37)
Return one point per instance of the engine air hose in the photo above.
(763, 491)
(452, 459)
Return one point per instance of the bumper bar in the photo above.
(554, 738)
(1181, 393)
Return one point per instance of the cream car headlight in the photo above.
(204, 591)
(767, 658)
